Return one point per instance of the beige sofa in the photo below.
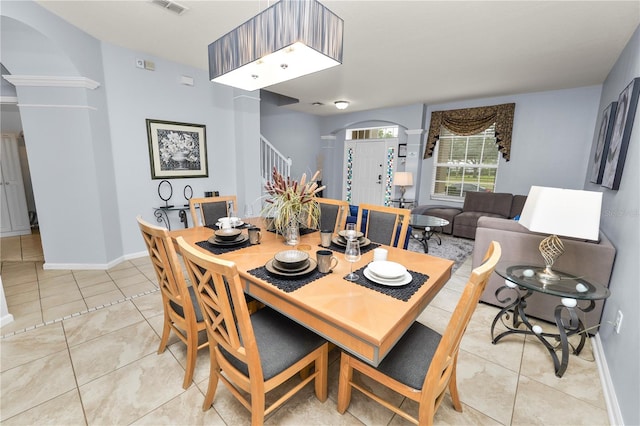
(593, 260)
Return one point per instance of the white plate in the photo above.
(406, 279)
(387, 270)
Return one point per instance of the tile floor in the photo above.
(101, 366)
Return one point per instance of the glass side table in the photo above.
(429, 226)
(521, 281)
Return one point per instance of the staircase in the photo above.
(270, 157)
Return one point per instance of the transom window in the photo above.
(464, 164)
(373, 133)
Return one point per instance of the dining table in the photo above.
(364, 318)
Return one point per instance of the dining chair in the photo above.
(422, 365)
(211, 209)
(181, 310)
(333, 214)
(385, 225)
(251, 354)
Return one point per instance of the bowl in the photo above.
(227, 234)
(291, 259)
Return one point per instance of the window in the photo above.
(464, 164)
(373, 133)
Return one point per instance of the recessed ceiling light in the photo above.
(341, 104)
(317, 104)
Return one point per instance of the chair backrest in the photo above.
(224, 308)
(333, 214)
(211, 209)
(168, 271)
(444, 360)
(385, 225)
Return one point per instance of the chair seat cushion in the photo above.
(409, 360)
(194, 301)
(281, 342)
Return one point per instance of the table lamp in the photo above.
(403, 179)
(565, 212)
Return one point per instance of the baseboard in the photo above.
(613, 409)
(94, 266)
(6, 319)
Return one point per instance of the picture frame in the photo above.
(402, 150)
(619, 144)
(177, 150)
(602, 145)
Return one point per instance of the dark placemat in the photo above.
(340, 249)
(286, 284)
(302, 231)
(221, 250)
(243, 226)
(403, 293)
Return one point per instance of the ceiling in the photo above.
(397, 52)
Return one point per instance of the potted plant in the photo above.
(291, 203)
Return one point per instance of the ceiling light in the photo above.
(317, 104)
(287, 40)
(341, 104)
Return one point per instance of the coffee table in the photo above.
(429, 226)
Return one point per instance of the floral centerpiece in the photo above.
(292, 203)
(178, 147)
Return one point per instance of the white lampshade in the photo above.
(403, 179)
(564, 212)
(287, 40)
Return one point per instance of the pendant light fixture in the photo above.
(289, 39)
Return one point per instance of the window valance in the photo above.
(469, 121)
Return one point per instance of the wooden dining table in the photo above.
(361, 320)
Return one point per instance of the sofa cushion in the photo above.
(517, 204)
(488, 202)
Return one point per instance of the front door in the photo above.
(366, 169)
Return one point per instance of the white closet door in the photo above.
(15, 216)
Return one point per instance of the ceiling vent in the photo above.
(170, 5)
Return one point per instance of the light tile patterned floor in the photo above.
(101, 366)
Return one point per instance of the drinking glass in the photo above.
(351, 231)
(232, 212)
(352, 255)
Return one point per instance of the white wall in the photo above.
(621, 223)
(294, 134)
(90, 163)
(551, 139)
(136, 94)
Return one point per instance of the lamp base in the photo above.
(548, 276)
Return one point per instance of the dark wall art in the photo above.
(623, 123)
(177, 150)
(602, 147)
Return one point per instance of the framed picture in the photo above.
(402, 150)
(177, 150)
(623, 123)
(602, 146)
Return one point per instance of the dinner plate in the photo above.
(404, 280)
(216, 242)
(387, 270)
(237, 224)
(278, 265)
(337, 241)
(269, 265)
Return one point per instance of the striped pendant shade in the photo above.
(290, 39)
